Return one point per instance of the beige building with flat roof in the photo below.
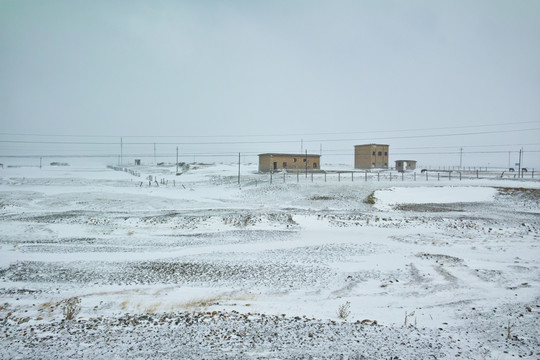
(371, 156)
(277, 162)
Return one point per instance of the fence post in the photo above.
(297, 177)
(438, 176)
(352, 176)
(270, 178)
(325, 176)
(415, 176)
(283, 177)
(378, 176)
(312, 176)
(460, 176)
(366, 175)
(450, 175)
(402, 176)
(477, 173)
(426, 176)
(339, 177)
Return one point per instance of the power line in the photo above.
(270, 135)
(233, 154)
(264, 142)
(447, 147)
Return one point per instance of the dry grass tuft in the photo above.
(344, 310)
(71, 307)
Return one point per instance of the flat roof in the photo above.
(297, 155)
(406, 160)
(372, 145)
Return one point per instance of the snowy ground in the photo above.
(194, 266)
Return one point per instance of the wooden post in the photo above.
(366, 175)
(325, 176)
(352, 176)
(284, 177)
(402, 176)
(339, 176)
(415, 176)
(270, 178)
(438, 176)
(450, 176)
(297, 177)
(312, 176)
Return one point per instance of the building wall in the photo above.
(288, 161)
(371, 156)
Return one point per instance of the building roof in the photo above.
(297, 155)
(372, 145)
(406, 160)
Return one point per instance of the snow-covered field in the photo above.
(196, 266)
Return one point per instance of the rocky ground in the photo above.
(218, 335)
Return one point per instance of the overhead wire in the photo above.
(270, 135)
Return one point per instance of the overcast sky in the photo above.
(231, 68)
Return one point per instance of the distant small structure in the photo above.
(57, 163)
(370, 156)
(275, 162)
(402, 165)
(137, 162)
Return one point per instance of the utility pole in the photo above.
(121, 152)
(522, 155)
(519, 165)
(177, 160)
(238, 168)
(306, 163)
(460, 157)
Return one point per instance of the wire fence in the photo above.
(389, 176)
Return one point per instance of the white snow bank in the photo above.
(432, 195)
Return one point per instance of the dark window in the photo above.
(284, 164)
(275, 165)
(374, 153)
(305, 160)
(294, 159)
(385, 164)
(372, 164)
(380, 153)
(386, 153)
(314, 165)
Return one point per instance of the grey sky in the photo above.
(277, 67)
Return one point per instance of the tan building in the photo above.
(403, 165)
(371, 156)
(277, 162)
